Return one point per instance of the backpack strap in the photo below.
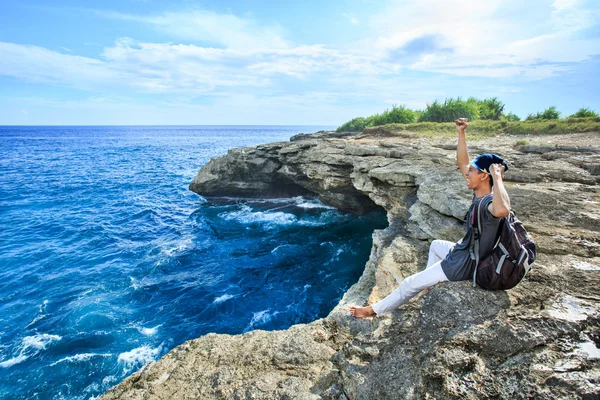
(476, 235)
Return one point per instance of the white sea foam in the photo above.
(109, 380)
(41, 313)
(277, 248)
(139, 356)
(15, 360)
(30, 345)
(134, 283)
(311, 223)
(246, 216)
(171, 248)
(148, 331)
(39, 341)
(260, 318)
(285, 249)
(80, 357)
(310, 203)
(292, 201)
(223, 298)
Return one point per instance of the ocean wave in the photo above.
(139, 356)
(30, 346)
(338, 252)
(39, 341)
(260, 318)
(80, 357)
(223, 298)
(285, 249)
(135, 284)
(310, 203)
(298, 201)
(273, 218)
(171, 248)
(15, 360)
(247, 216)
(148, 331)
(41, 314)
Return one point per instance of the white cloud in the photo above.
(495, 38)
(38, 64)
(303, 60)
(226, 30)
(179, 68)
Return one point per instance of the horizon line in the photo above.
(99, 125)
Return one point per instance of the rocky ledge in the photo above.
(539, 340)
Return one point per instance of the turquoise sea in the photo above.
(108, 261)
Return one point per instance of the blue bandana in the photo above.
(483, 162)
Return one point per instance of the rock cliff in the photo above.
(539, 340)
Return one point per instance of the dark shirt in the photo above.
(458, 265)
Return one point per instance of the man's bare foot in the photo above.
(362, 312)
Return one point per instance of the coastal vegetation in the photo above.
(485, 128)
(487, 117)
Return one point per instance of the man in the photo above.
(456, 261)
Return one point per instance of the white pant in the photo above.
(412, 285)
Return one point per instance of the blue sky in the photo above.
(310, 62)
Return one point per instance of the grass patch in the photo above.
(486, 128)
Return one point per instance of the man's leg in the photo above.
(408, 288)
(438, 250)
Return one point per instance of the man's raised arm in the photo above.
(462, 155)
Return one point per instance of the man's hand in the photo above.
(497, 170)
(461, 124)
(500, 205)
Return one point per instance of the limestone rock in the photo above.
(539, 340)
(398, 261)
(427, 223)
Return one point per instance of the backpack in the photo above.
(510, 259)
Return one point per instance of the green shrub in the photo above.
(355, 125)
(548, 113)
(522, 142)
(491, 109)
(585, 112)
(511, 117)
(450, 110)
(486, 116)
(418, 114)
(397, 115)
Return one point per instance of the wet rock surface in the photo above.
(540, 340)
